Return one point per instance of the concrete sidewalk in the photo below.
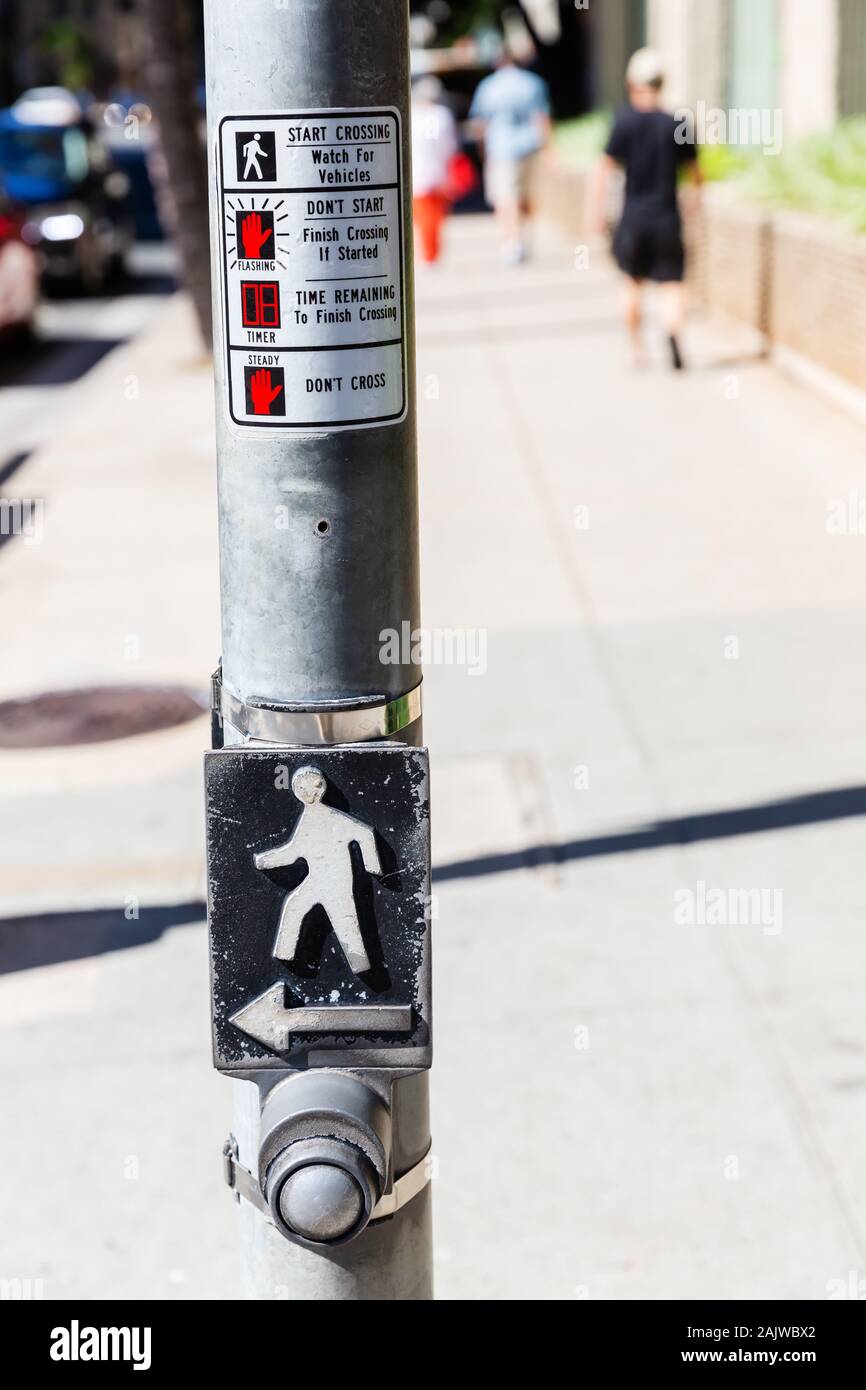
(632, 1098)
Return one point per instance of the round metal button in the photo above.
(321, 1202)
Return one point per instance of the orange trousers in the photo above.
(429, 211)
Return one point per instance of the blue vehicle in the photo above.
(73, 198)
(128, 132)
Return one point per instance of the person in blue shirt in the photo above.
(512, 109)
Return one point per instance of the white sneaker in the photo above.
(513, 253)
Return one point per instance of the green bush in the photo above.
(823, 173)
(581, 141)
(725, 161)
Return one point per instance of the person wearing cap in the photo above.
(651, 146)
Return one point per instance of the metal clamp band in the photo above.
(353, 722)
(404, 1189)
(243, 1184)
(240, 1179)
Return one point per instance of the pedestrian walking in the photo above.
(651, 146)
(434, 147)
(322, 837)
(253, 152)
(512, 109)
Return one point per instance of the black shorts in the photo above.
(650, 248)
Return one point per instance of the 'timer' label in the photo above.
(313, 268)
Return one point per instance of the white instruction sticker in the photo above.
(313, 268)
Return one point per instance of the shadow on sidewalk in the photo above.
(26, 942)
(48, 939)
(54, 361)
(811, 809)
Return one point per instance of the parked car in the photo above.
(19, 277)
(51, 164)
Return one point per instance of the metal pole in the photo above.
(317, 484)
(302, 612)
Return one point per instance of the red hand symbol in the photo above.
(253, 236)
(262, 392)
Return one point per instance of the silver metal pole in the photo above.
(317, 515)
(302, 610)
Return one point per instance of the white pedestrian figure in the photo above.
(254, 152)
(322, 837)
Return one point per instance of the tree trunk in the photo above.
(171, 80)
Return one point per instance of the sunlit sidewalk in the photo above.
(645, 688)
(649, 804)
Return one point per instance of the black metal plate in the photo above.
(251, 809)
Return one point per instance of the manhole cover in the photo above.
(61, 718)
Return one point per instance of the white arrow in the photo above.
(269, 1021)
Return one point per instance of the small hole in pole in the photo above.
(323, 527)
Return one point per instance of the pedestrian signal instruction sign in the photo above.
(313, 268)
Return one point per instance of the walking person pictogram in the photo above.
(256, 154)
(253, 152)
(322, 837)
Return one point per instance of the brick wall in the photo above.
(800, 280)
(559, 194)
(818, 294)
(728, 250)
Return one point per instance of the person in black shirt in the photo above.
(652, 147)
